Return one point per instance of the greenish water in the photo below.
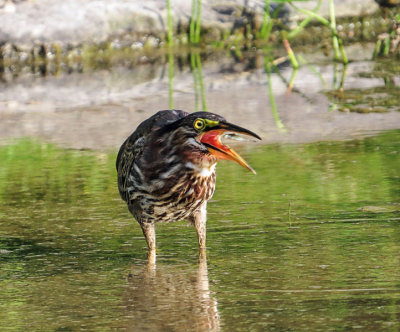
(312, 242)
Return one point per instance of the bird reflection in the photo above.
(170, 297)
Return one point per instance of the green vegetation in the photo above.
(388, 43)
(195, 22)
(271, 20)
(339, 52)
(385, 98)
(169, 20)
(195, 63)
(274, 109)
(171, 78)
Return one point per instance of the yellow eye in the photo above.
(199, 124)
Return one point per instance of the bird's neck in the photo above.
(196, 157)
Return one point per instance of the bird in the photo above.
(166, 168)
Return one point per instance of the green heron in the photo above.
(166, 168)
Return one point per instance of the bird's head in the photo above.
(207, 130)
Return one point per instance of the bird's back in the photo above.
(133, 145)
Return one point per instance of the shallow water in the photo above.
(311, 242)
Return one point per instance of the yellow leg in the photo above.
(200, 227)
(151, 259)
(199, 221)
(149, 233)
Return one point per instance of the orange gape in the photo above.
(212, 139)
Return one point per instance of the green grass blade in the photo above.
(171, 77)
(200, 78)
(169, 22)
(195, 81)
(198, 21)
(274, 109)
(192, 23)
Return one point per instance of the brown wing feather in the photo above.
(133, 145)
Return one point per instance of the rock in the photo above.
(343, 8)
(73, 22)
(388, 3)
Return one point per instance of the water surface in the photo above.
(311, 242)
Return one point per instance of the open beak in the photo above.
(212, 139)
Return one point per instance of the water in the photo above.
(309, 243)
